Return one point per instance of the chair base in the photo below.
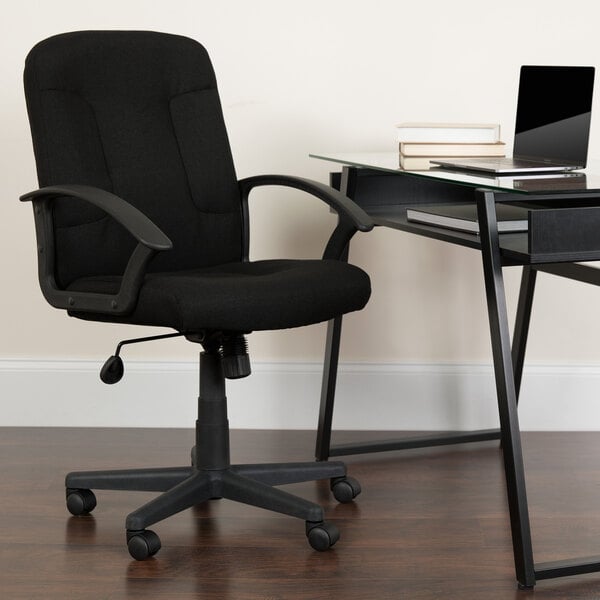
(211, 476)
(184, 487)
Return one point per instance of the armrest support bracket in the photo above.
(351, 217)
(149, 237)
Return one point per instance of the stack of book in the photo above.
(422, 142)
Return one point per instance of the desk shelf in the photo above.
(514, 247)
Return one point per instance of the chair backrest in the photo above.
(136, 113)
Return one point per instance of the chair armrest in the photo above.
(150, 240)
(136, 222)
(334, 198)
(351, 217)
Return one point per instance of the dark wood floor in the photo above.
(430, 523)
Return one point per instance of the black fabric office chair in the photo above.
(140, 219)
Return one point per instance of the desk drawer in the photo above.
(558, 230)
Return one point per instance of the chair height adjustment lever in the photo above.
(113, 369)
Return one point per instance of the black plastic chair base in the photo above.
(186, 487)
(212, 476)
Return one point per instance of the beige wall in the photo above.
(310, 76)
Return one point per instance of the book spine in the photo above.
(416, 163)
(468, 135)
(440, 150)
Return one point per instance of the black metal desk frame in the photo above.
(385, 197)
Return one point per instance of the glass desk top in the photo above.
(587, 180)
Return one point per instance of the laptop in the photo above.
(554, 110)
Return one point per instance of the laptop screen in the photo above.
(554, 113)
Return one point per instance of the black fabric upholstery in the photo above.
(262, 295)
(138, 114)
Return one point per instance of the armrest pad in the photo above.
(335, 199)
(136, 222)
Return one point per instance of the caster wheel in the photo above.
(80, 502)
(142, 544)
(345, 489)
(321, 536)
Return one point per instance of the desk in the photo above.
(564, 217)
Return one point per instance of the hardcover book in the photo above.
(420, 163)
(416, 163)
(470, 133)
(446, 149)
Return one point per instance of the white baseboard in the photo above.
(286, 396)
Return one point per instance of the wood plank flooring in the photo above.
(430, 523)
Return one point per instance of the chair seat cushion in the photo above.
(240, 296)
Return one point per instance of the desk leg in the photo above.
(522, 324)
(332, 347)
(330, 366)
(506, 392)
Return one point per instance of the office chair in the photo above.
(140, 220)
